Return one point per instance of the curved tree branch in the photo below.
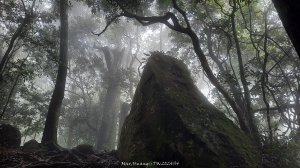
(176, 26)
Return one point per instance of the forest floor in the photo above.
(15, 158)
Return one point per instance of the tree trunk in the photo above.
(107, 132)
(125, 107)
(50, 130)
(289, 12)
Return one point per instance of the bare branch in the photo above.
(107, 25)
(24, 6)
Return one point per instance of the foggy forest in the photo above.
(149, 83)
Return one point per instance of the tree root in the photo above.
(53, 158)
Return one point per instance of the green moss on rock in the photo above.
(171, 120)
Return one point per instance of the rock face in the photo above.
(10, 136)
(31, 146)
(171, 120)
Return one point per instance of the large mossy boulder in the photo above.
(171, 120)
(10, 136)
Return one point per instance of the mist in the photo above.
(142, 83)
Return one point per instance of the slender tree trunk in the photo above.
(11, 44)
(264, 80)
(50, 130)
(11, 93)
(246, 107)
(12, 90)
(20, 30)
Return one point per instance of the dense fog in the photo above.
(69, 72)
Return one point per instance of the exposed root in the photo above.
(51, 159)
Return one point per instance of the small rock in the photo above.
(85, 149)
(31, 146)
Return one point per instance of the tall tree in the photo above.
(107, 131)
(50, 131)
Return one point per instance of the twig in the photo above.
(108, 24)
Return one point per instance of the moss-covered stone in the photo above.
(31, 146)
(10, 136)
(171, 120)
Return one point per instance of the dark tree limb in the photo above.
(13, 88)
(176, 26)
(108, 24)
(145, 21)
(247, 107)
(264, 80)
(20, 30)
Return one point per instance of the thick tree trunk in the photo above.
(50, 130)
(107, 132)
(289, 12)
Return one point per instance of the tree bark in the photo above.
(246, 106)
(50, 130)
(289, 12)
(125, 107)
(107, 131)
